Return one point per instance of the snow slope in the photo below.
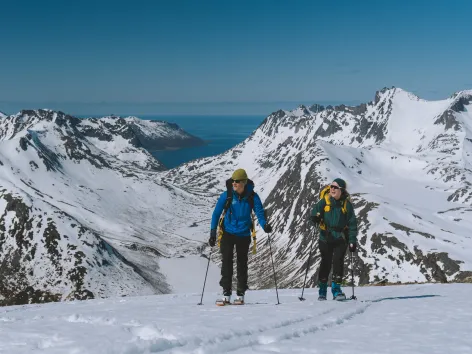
(83, 212)
(87, 211)
(407, 165)
(398, 319)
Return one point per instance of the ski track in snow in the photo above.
(153, 339)
(385, 316)
(289, 329)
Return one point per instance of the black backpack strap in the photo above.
(250, 197)
(229, 194)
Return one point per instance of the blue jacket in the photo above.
(238, 217)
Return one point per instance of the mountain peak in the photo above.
(394, 91)
(463, 93)
(47, 115)
(316, 108)
(461, 100)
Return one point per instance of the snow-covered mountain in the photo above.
(149, 134)
(82, 207)
(407, 163)
(87, 212)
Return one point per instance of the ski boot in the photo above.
(337, 292)
(240, 298)
(225, 299)
(323, 290)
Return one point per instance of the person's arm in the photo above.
(259, 211)
(351, 224)
(318, 209)
(218, 210)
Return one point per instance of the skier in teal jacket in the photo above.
(334, 215)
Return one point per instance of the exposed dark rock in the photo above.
(409, 230)
(316, 108)
(24, 143)
(332, 128)
(29, 295)
(34, 165)
(459, 105)
(76, 150)
(465, 277)
(279, 114)
(359, 110)
(448, 119)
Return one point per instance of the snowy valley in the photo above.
(84, 212)
(87, 212)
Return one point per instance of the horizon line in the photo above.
(172, 102)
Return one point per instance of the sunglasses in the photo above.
(335, 187)
(237, 180)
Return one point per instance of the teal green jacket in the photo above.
(335, 220)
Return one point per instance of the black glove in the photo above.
(315, 219)
(352, 247)
(212, 240)
(267, 228)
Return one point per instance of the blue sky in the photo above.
(236, 57)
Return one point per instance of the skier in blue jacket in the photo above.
(237, 227)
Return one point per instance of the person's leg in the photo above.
(338, 267)
(326, 251)
(227, 249)
(242, 249)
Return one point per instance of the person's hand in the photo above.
(315, 219)
(212, 240)
(352, 247)
(267, 228)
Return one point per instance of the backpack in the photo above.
(229, 200)
(324, 194)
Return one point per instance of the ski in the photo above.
(340, 297)
(222, 304)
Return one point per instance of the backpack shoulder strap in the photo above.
(324, 194)
(346, 200)
(250, 199)
(229, 194)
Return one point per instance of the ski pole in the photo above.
(208, 265)
(308, 264)
(273, 268)
(352, 278)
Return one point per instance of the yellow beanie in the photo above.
(239, 174)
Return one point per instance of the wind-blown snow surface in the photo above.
(433, 318)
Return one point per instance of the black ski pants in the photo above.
(227, 244)
(332, 253)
